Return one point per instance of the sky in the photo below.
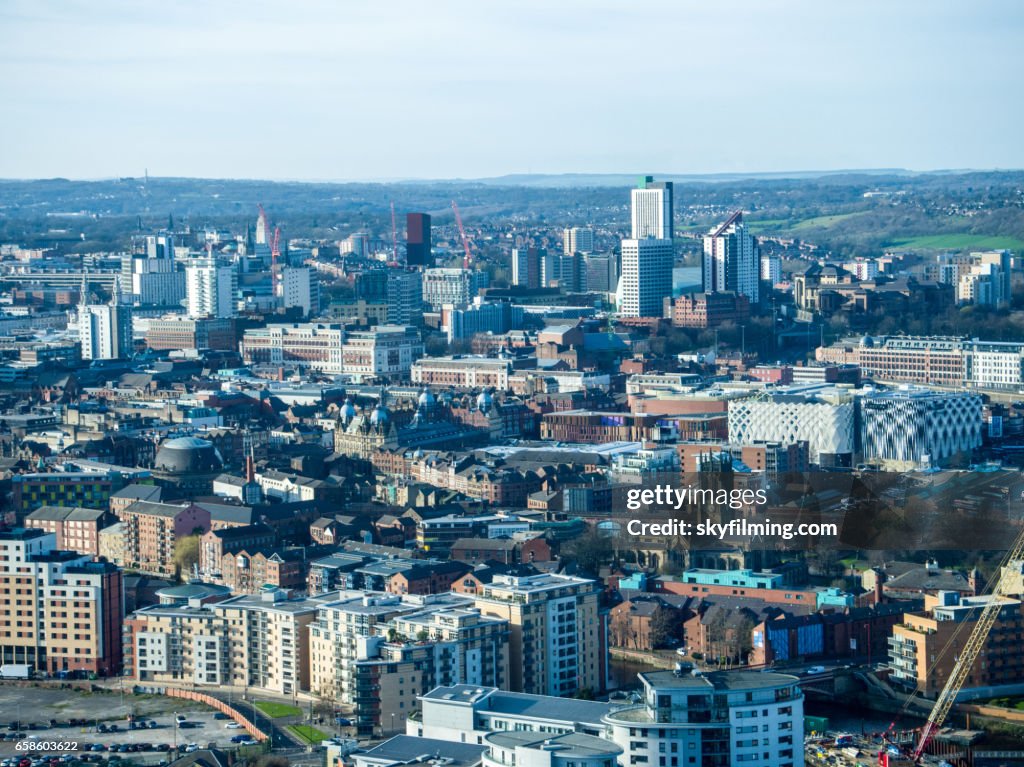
(439, 89)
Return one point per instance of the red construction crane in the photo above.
(468, 258)
(394, 235)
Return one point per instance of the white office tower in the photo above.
(300, 287)
(160, 246)
(151, 275)
(210, 288)
(157, 282)
(577, 240)
(731, 260)
(105, 330)
(646, 277)
(652, 210)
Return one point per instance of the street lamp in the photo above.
(392, 722)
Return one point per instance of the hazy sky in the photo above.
(308, 89)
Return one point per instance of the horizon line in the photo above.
(518, 175)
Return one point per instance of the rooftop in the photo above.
(571, 744)
(410, 750)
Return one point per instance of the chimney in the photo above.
(250, 469)
(879, 582)
(975, 581)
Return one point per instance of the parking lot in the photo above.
(99, 725)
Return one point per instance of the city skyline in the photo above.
(223, 91)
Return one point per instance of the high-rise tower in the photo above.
(652, 210)
(732, 260)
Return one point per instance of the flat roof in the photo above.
(571, 744)
(408, 749)
(720, 680)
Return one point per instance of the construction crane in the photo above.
(468, 258)
(394, 235)
(972, 649)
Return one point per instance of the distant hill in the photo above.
(629, 179)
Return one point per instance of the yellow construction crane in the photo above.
(972, 649)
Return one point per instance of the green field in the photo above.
(307, 733)
(824, 222)
(767, 224)
(277, 710)
(959, 242)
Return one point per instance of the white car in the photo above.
(681, 652)
(815, 670)
(232, 726)
(191, 747)
(249, 742)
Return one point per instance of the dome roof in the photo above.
(186, 455)
(484, 401)
(379, 416)
(185, 443)
(348, 410)
(427, 399)
(867, 341)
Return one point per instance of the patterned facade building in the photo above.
(914, 428)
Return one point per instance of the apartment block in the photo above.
(925, 646)
(719, 719)
(247, 641)
(557, 639)
(62, 611)
(76, 529)
(152, 530)
(379, 653)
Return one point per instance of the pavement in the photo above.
(31, 708)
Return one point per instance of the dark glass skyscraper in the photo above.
(417, 244)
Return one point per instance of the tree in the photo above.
(664, 627)
(186, 554)
(590, 550)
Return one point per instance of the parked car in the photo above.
(239, 738)
(221, 715)
(815, 670)
(232, 726)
